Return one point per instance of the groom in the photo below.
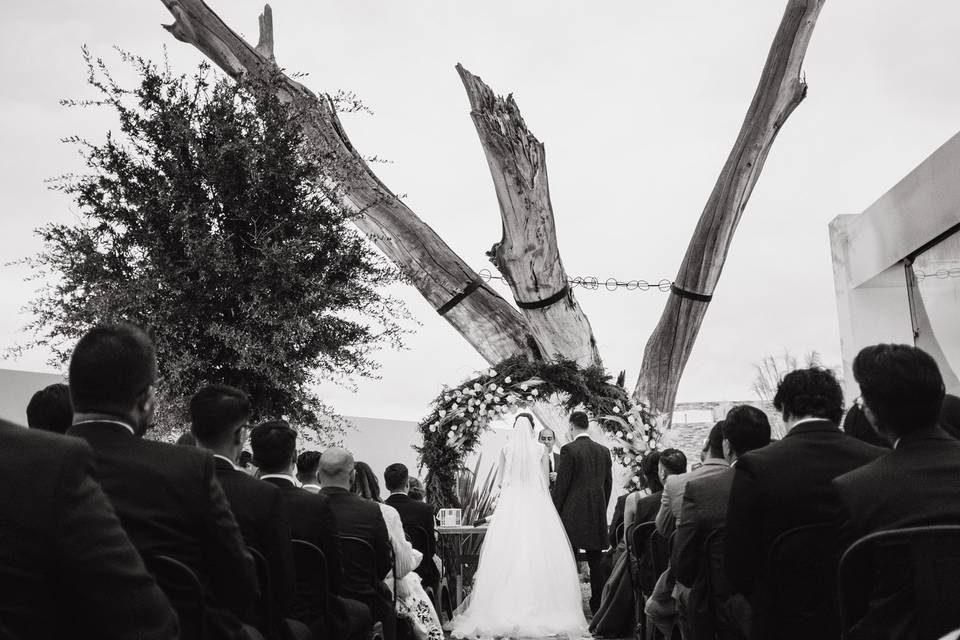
(581, 495)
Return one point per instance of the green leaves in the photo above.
(204, 219)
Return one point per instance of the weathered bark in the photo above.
(488, 322)
(780, 90)
(528, 254)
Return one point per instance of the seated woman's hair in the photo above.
(365, 482)
(650, 466)
(416, 489)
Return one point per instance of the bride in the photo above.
(526, 584)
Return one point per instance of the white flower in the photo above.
(629, 436)
(499, 389)
(488, 397)
(492, 387)
(619, 434)
(639, 458)
(470, 409)
(616, 409)
(452, 435)
(631, 418)
(469, 422)
(491, 413)
(507, 380)
(453, 427)
(636, 479)
(433, 428)
(534, 393)
(524, 386)
(453, 407)
(492, 373)
(446, 398)
(459, 393)
(511, 398)
(477, 386)
(442, 412)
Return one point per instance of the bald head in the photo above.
(336, 468)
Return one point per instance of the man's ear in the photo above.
(238, 436)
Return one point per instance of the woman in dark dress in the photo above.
(614, 618)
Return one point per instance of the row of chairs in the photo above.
(928, 558)
(186, 592)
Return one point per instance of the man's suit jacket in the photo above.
(414, 513)
(917, 484)
(170, 503)
(582, 492)
(67, 568)
(704, 511)
(784, 485)
(359, 518)
(262, 518)
(672, 499)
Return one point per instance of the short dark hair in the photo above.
(715, 441)
(111, 366)
(273, 444)
(395, 476)
(812, 392)
(187, 439)
(50, 409)
(365, 482)
(674, 460)
(308, 463)
(580, 420)
(901, 385)
(746, 428)
(217, 411)
(650, 467)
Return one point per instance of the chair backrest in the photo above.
(924, 560)
(419, 538)
(713, 555)
(185, 592)
(365, 567)
(638, 539)
(801, 576)
(265, 616)
(312, 586)
(659, 549)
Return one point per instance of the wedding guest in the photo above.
(311, 518)
(167, 497)
(417, 491)
(67, 568)
(644, 505)
(187, 439)
(711, 609)
(785, 485)
(413, 604)
(615, 616)
(396, 479)
(855, 424)
(359, 518)
(308, 463)
(581, 495)
(917, 484)
(219, 415)
(549, 440)
(50, 409)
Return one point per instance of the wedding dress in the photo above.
(526, 583)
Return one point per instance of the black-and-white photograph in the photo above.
(301, 340)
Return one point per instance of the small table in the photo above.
(454, 543)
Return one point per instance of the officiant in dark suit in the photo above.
(582, 492)
(549, 440)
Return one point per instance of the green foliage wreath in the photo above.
(460, 415)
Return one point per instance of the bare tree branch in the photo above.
(780, 90)
(528, 255)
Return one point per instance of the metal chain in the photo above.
(592, 283)
(940, 274)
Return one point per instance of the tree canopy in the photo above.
(206, 220)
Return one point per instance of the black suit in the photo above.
(170, 503)
(916, 484)
(581, 495)
(414, 513)
(361, 518)
(262, 518)
(784, 485)
(67, 569)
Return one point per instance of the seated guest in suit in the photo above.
(549, 440)
(413, 604)
(308, 463)
(219, 415)
(50, 409)
(167, 497)
(312, 519)
(917, 484)
(413, 513)
(67, 568)
(359, 518)
(705, 510)
(785, 485)
(855, 424)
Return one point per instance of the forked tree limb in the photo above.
(780, 90)
(528, 254)
(488, 322)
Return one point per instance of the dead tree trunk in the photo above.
(488, 322)
(780, 90)
(528, 254)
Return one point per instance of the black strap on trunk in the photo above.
(690, 295)
(457, 299)
(546, 302)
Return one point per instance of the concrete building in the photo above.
(897, 267)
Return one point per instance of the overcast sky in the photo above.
(638, 103)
